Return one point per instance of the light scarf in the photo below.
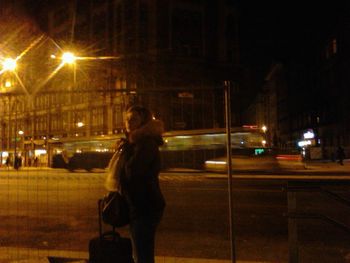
(112, 183)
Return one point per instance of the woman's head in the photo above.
(137, 116)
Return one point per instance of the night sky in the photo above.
(271, 30)
(280, 31)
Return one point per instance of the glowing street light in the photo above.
(8, 84)
(9, 64)
(264, 128)
(68, 58)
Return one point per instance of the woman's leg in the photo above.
(142, 232)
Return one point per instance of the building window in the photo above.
(334, 46)
(331, 48)
(97, 118)
(82, 8)
(56, 124)
(82, 32)
(230, 37)
(61, 16)
(99, 27)
(130, 26)
(118, 123)
(187, 33)
(143, 27)
(118, 28)
(99, 2)
(41, 124)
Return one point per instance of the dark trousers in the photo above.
(142, 232)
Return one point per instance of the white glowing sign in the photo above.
(304, 143)
(309, 135)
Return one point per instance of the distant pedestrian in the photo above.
(36, 161)
(17, 163)
(340, 155)
(8, 162)
(20, 161)
(333, 156)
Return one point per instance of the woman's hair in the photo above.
(145, 114)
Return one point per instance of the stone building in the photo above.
(171, 55)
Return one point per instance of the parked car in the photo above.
(58, 161)
(85, 160)
(89, 161)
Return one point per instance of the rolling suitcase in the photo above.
(109, 246)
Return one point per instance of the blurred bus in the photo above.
(181, 149)
(191, 149)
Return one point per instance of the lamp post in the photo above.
(264, 130)
(69, 58)
(65, 59)
(10, 65)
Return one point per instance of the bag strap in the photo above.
(113, 232)
(99, 205)
(113, 163)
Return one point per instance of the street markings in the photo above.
(85, 176)
(180, 177)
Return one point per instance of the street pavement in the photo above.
(25, 255)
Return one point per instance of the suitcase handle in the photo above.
(99, 204)
(112, 233)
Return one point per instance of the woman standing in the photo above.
(136, 173)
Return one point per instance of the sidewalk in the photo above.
(28, 168)
(23, 255)
(328, 165)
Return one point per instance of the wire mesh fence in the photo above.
(50, 206)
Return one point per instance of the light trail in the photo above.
(33, 44)
(53, 73)
(21, 83)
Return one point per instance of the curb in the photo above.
(32, 255)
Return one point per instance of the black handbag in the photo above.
(115, 210)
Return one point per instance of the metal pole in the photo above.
(15, 151)
(227, 85)
(293, 250)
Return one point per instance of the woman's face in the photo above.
(132, 121)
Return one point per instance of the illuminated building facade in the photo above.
(310, 96)
(167, 54)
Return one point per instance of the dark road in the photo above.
(57, 210)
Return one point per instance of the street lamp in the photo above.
(68, 58)
(8, 84)
(21, 133)
(9, 64)
(264, 129)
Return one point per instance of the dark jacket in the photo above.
(138, 168)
